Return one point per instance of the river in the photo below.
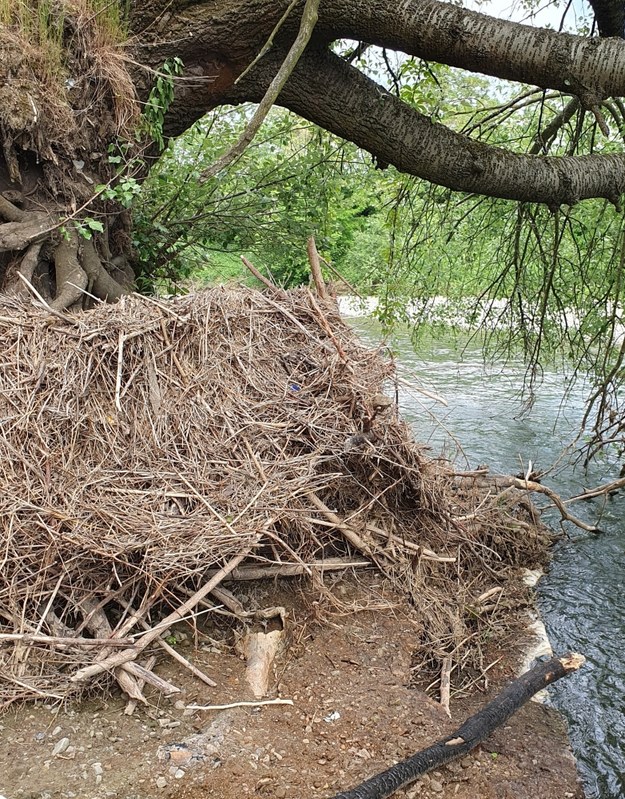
(581, 596)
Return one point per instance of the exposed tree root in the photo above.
(18, 235)
(29, 264)
(103, 285)
(10, 212)
(78, 268)
(71, 278)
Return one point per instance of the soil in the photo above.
(354, 713)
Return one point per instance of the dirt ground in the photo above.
(353, 714)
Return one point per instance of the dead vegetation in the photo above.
(68, 116)
(64, 86)
(149, 450)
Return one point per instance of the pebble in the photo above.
(179, 774)
(60, 746)
(56, 731)
(161, 782)
(436, 786)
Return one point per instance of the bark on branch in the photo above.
(338, 97)
(470, 734)
(17, 235)
(450, 34)
(428, 29)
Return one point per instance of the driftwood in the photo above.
(599, 491)
(470, 734)
(532, 485)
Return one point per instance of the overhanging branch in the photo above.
(336, 96)
(450, 34)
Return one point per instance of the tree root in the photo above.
(103, 285)
(17, 235)
(78, 267)
(71, 278)
(29, 264)
(11, 212)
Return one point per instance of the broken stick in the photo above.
(315, 268)
(126, 655)
(470, 734)
(446, 685)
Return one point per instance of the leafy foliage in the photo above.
(292, 182)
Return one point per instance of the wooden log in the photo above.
(470, 734)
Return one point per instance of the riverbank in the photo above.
(355, 711)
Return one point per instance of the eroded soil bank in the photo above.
(354, 713)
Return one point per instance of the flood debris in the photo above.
(155, 454)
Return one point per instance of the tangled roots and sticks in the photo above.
(150, 450)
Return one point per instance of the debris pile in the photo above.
(151, 449)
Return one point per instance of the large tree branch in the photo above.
(220, 40)
(331, 93)
(449, 34)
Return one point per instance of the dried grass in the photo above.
(65, 87)
(148, 443)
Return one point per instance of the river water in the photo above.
(581, 596)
